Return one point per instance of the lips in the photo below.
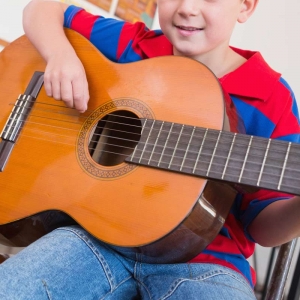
(187, 31)
(188, 28)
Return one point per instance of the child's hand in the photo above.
(65, 80)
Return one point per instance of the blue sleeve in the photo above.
(104, 33)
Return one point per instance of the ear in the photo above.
(247, 9)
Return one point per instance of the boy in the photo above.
(70, 264)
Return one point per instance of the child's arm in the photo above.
(271, 218)
(278, 223)
(65, 77)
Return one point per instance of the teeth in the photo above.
(188, 28)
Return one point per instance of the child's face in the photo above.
(198, 28)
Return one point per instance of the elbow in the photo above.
(269, 238)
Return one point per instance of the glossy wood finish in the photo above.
(50, 167)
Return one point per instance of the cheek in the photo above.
(166, 9)
(164, 16)
(219, 27)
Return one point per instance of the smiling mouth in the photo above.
(188, 28)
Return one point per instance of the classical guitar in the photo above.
(146, 167)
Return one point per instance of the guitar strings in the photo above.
(201, 161)
(232, 159)
(170, 140)
(130, 125)
(224, 132)
(263, 181)
(245, 178)
(115, 115)
(202, 154)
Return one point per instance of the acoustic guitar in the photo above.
(149, 166)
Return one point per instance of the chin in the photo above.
(187, 51)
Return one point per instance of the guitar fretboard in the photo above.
(238, 158)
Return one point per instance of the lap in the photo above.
(195, 281)
(69, 263)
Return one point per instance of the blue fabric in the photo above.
(69, 14)
(256, 123)
(237, 259)
(70, 264)
(294, 107)
(105, 36)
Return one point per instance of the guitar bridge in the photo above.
(18, 116)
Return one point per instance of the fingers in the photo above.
(48, 85)
(72, 90)
(80, 93)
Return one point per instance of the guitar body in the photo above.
(123, 204)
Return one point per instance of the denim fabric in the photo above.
(68, 263)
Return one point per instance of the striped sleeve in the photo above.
(116, 39)
(286, 128)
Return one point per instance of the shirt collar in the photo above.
(254, 79)
(162, 45)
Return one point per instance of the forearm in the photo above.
(43, 25)
(278, 223)
(64, 77)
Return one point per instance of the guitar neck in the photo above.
(220, 155)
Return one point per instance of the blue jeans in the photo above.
(68, 263)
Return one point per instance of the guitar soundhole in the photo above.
(114, 138)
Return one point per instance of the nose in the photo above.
(189, 7)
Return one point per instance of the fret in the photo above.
(214, 152)
(228, 157)
(291, 178)
(245, 160)
(135, 148)
(188, 147)
(284, 165)
(238, 158)
(164, 147)
(175, 148)
(254, 160)
(263, 164)
(280, 170)
(200, 150)
(146, 143)
(156, 140)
